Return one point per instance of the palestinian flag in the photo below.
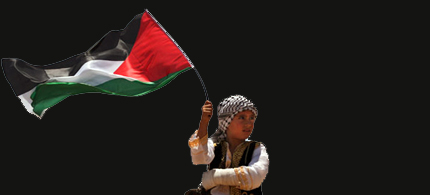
(134, 61)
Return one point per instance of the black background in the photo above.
(96, 143)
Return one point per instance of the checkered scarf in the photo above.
(227, 109)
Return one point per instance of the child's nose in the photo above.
(248, 122)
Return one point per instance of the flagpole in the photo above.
(203, 84)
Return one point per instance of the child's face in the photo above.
(242, 125)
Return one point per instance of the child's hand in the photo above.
(207, 110)
(206, 116)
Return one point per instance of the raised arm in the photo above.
(207, 110)
(202, 148)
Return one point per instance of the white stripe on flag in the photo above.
(94, 72)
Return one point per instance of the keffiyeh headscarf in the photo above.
(227, 109)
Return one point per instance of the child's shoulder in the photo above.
(257, 143)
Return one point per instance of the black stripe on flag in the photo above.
(115, 46)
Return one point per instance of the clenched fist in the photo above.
(207, 111)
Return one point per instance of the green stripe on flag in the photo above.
(48, 94)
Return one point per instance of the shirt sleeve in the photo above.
(202, 149)
(253, 175)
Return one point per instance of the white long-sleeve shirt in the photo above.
(248, 177)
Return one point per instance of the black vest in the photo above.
(219, 162)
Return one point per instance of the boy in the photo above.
(236, 165)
